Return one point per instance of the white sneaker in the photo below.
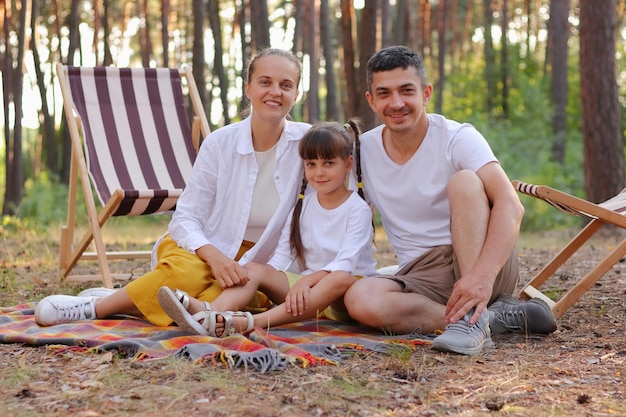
(58, 309)
(98, 292)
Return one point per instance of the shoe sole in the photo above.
(175, 310)
(444, 347)
(96, 292)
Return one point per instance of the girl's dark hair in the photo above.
(324, 140)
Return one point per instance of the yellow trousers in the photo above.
(183, 270)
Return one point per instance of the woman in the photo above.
(242, 187)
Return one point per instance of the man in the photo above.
(450, 213)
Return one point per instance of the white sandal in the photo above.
(175, 304)
(210, 322)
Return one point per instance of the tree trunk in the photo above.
(401, 22)
(602, 137)
(165, 34)
(49, 135)
(385, 24)
(332, 111)
(504, 59)
(13, 94)
(246, 53)
(260, 25)
(146, 47)
(218, 65)
(349, 60)
(108, 57)
(441, 54)
(312, 111)
(367, 47)
(490, 57)
(558, 27)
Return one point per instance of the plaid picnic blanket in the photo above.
(309, 343)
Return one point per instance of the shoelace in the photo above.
(73, 312)
(463, 326)
(513, 319)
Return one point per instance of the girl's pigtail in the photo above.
(356, 133)
(353, 127)
(295, 239)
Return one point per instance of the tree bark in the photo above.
(367, 47)
(260, 25)
(490, 57)
(218, 65)
(558, 28)
(332, 110)
(602, 138)
(312, 111)
(51, 153)
(13, 94)
(165, 33)
(504, 59)
(441, 54)
(349, 60)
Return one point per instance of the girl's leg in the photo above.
(329, 290)
(262, 277)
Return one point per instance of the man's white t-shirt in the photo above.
(412, 198)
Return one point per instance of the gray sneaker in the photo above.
(509, 314)
(58, 309)
(463, 338)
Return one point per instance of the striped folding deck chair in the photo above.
(138, 151)
(610, 212)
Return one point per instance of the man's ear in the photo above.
(370, 100)
(428, 93)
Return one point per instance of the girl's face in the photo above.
(273, 87)
(327, 176)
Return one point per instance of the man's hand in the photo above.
(468, 292)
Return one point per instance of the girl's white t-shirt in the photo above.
(340, 239)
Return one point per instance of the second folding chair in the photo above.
(610, 212)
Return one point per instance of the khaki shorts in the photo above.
(434, 273)
(329, 312)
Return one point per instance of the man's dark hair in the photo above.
(393, 57)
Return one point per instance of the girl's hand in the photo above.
(227, 272)
(297, 299)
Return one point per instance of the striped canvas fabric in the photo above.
(137, 135)
(616, 203)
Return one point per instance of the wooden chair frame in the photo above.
(71, 253)
(610, 212)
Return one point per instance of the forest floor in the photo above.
(579, 370)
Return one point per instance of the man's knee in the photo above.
(465, 182)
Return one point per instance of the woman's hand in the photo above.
(227, 272)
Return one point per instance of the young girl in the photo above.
(242, 188)
(329, 239)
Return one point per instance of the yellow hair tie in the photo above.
(301, 196)
(359, 184)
